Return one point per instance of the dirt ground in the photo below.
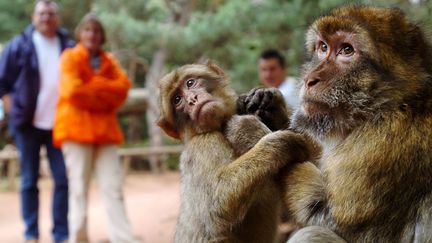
(152, 203)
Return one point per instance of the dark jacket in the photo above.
(19, 76)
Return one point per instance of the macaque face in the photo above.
(336, 91)
(195, 99)
(195, 102)
(334, 57)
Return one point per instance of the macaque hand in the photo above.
(266, 103)
(287, 147)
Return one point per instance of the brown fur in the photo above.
(228, 193)
(374, 179)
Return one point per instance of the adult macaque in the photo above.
(224, 198)
(367, 97)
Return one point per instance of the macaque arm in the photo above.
(304, 193)
(238, 181)
(243, 132)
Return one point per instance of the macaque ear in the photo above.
(215, 68)
(168, 128)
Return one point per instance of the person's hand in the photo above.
(6, 103)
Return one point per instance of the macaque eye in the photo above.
(322, 47)
(190, 82)
(346, 50)
(177, 99)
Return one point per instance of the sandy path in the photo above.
(152, 203)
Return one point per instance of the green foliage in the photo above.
(233, 33)
(69, 18)
(172, 162)
(15, 15)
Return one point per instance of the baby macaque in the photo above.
(228, 191)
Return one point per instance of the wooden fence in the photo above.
(9, 158)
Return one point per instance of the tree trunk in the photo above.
(152, 78)
(88, 5)
(180, 14)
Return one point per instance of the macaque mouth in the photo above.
(199, 107)
(313, 106)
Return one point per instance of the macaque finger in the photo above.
(250, 95)
(241, 104)
(267, 98)
(255, 102)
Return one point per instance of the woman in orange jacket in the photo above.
(92, 88)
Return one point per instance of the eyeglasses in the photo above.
(46, 14)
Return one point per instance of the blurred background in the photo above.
(151, 37)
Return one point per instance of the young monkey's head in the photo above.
(195, 99)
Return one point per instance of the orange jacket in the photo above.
(88, 99)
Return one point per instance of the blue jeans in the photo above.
(29, 141)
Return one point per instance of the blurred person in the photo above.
(92, 88)
(272, 73)
(29, 89)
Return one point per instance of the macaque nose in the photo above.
(192, 99)
(312, 80)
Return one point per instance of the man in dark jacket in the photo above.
(29, 74)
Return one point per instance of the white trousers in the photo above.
(81, 160)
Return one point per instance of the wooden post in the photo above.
(88, 5)
(126, 164)
(12, 173)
